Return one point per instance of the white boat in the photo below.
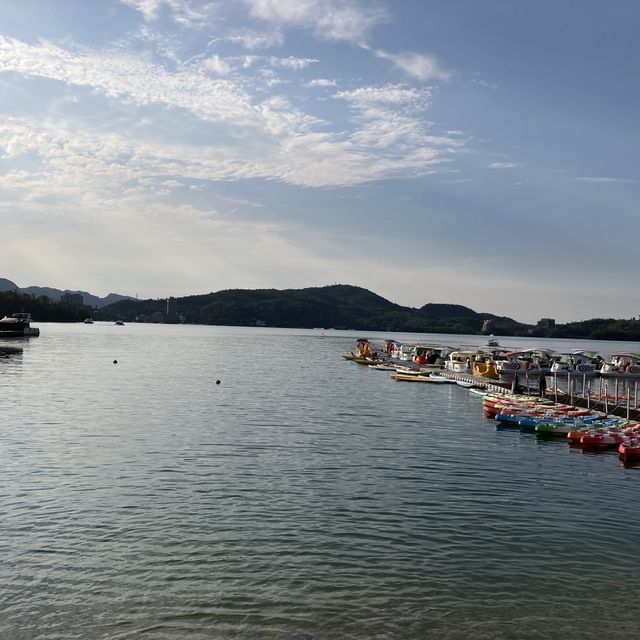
(526, 362)
(430, 354)
(88, 321)
(461, 361)
(578, 362)
(405, 352)
(419, 353)
(622, 365)
(17, 325)
(466, 357)
(383, 367)
(437, 378)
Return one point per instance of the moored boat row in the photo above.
(498, 363)
(591, 431)
(580, 427)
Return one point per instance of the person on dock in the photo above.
(542, 385)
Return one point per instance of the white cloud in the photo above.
(148, 8)
(389, 94)
(293, 63)
(321, 82)
(80, 165)
(605, 180)
(217, 65)
(329, 19)
(416, 65)
(186, 13)
(253, 40)
(479, 82)
(505, 165)
(118, 74)
(392, 133)
(268, 139)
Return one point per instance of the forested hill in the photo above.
(41, 309)
(334, 306)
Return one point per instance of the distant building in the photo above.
(546, 323)
(72, 298)
(171, 316)
(157, 316)
(143, 317)
(487, 326)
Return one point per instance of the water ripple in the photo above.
(301, 498)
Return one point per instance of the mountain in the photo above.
(337, 306)
(7, 285)
(55, 294)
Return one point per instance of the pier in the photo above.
(579, 390)
(495, 386)
(612, 395)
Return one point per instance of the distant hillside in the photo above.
(337, 306)
(598, 329)
(7, 285)
(55, 294)
(41, 309)
(455, 318)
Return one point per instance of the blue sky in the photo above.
(479, 153)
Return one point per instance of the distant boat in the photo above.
(88, 321)
(17, 325)
(491, 342)
(119, 323)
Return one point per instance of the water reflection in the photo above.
(8, 351)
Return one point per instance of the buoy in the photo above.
(217, 381)
(115, 362)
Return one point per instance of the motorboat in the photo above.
(88, 321)
(119, 323)
(17, 325)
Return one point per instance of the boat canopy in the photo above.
(467, 354)
(529, 352)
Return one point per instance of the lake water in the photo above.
(303, 497)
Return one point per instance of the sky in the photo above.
(456, 151)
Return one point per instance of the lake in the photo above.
(302, 497)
